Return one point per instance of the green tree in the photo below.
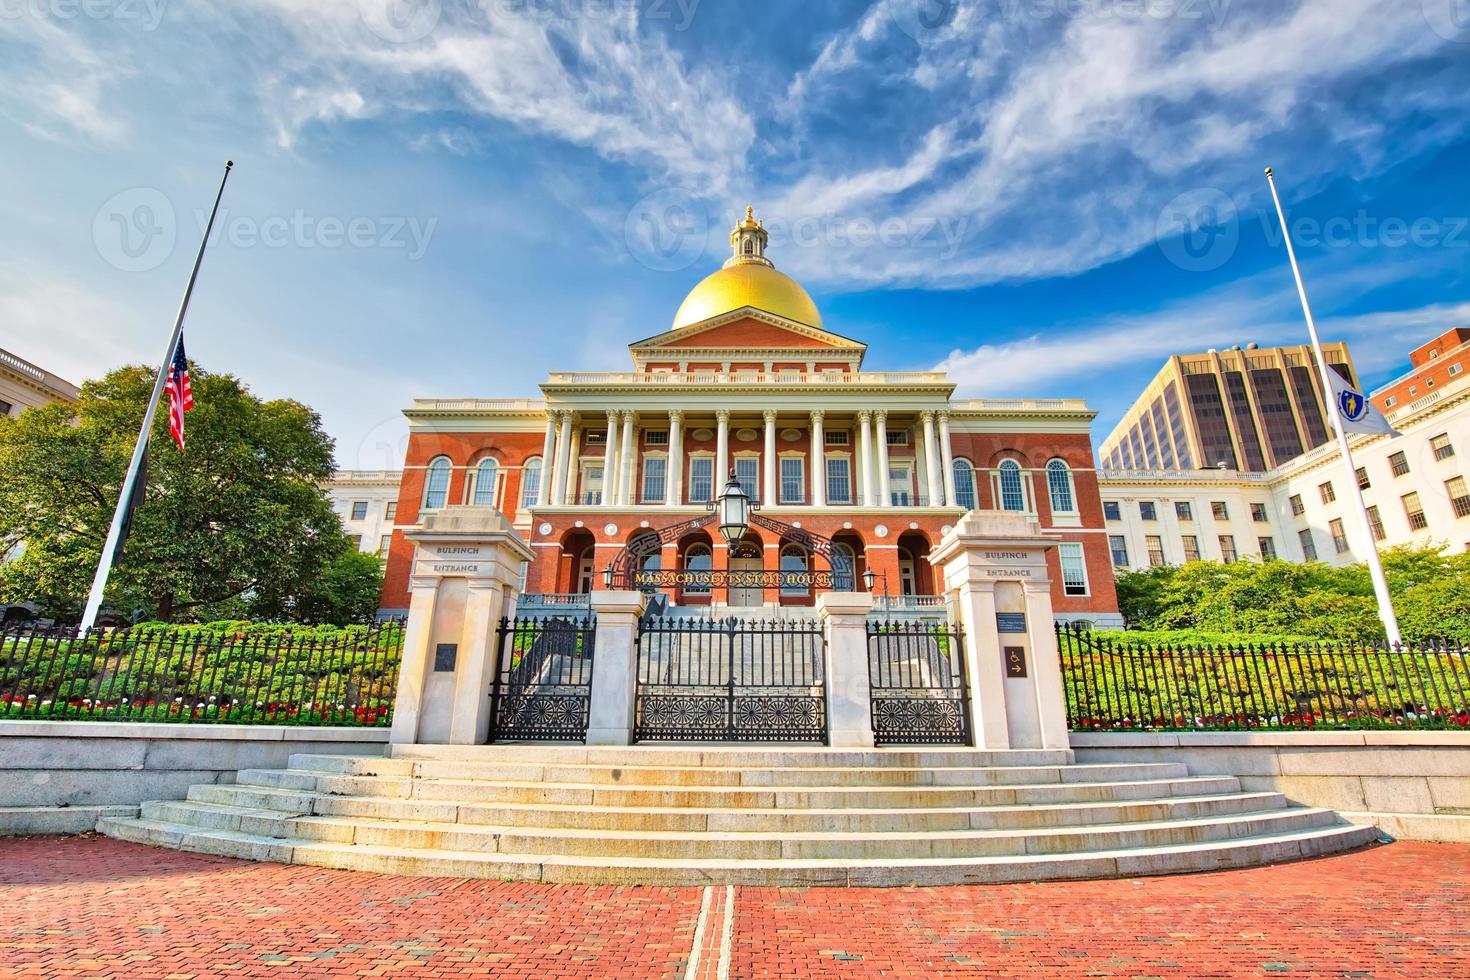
(346, 591)
(241, 513)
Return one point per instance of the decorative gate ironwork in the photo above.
(917, 674)
(543, 689)
(730, 680)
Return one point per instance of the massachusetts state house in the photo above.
(748, 380)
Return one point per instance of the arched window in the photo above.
(698, 559)
(485, 475)
(964, 484)
(793, 559)
(749, 247)
(436, 483)
(844, 567)
(1012, 491)
(1059, 482)
(530, 481)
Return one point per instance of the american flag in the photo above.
(180, 396)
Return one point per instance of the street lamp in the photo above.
(733, 506)
(870, 579)
(607, 577)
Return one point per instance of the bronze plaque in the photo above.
(444, 657)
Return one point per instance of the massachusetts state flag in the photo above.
(1354, 409)
(180, 396)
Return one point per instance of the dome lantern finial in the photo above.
(748, 242)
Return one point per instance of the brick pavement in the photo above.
(91, 907)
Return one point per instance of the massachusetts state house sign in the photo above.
(658, 578)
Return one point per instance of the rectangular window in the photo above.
(1074, 568)
(5, 407)
(747, 471)
(384, 543)
(898, 437)
(1339, 535)
(701, 479)
(1111, 510)
(359, 510)
(592, 485)
(1147, 511)
(530, 482)
(656, 437)
(655, 470)
(1455, 369)
(1221, 512)
(1267, 546)
(1118, 545)
(1363, 482)
(793, 479)
(1191, 547)
(391, 511)
(1459, 496)
(1309, 546)
(1297, 507)
(597, 437)
(1398, 463)
(1258, 513)
(1375, 523)
(838, 437)
(1328, 494)
(1183, 510)
(1227, 548)
(1414, 511)
(1443, 448)
(901, 486)
(839, 480)
(1155, 550)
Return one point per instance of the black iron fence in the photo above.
(543, 689)
(1113, 684)
(273, 676)
(916, 671)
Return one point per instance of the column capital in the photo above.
(818, 414)
(612, 415)
(926, 416)
(722, 415)
(676, 415)
(880, 415)
(628, 414)
(943, 416)
(864, 416)
(769, 415)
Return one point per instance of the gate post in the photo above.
(614, 667)
(466, 564)
(849, 689)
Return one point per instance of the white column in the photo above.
(626, 478)
(868, 488)
(931, 459)
(674, 477)
(819, 461)
(548, 453)
(615, 681)
(770, 465)
(574, 465)
(610, 463)
(946, 459)
(849, 693)
(722, 449)
(885, 491)
(563, 459)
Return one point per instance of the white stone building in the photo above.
(367, 502)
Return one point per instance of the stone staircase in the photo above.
(687, 815)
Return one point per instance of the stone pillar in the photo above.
(885, 491)
(770, 465)
(994, 565)
(626, 479)
(466, 569)
(615, 671)
(946, 460)
(548, 454)
(931, 460)
(722, 450)
(610, 462)
(866, 484)
(849, 694)
(574, 467)
(818, 494)
(563, 459)
(674, 476)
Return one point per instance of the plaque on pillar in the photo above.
(1015, 661)
(1010, 622)
(444, 657)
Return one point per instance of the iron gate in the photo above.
(543, 689)
(730, 680)
(916, 670)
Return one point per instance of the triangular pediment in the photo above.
(750, 330)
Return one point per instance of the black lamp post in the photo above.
(870, 579)
(607, 577)
(733, 507)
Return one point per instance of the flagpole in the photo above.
(1375, 565)
(140, 448)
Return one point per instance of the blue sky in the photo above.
(453, 197)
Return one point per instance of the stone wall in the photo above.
(87, 768)
(1412, 784)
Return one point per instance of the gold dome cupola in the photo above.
(748, 242)
(747, 278)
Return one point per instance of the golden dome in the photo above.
(747, 279)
